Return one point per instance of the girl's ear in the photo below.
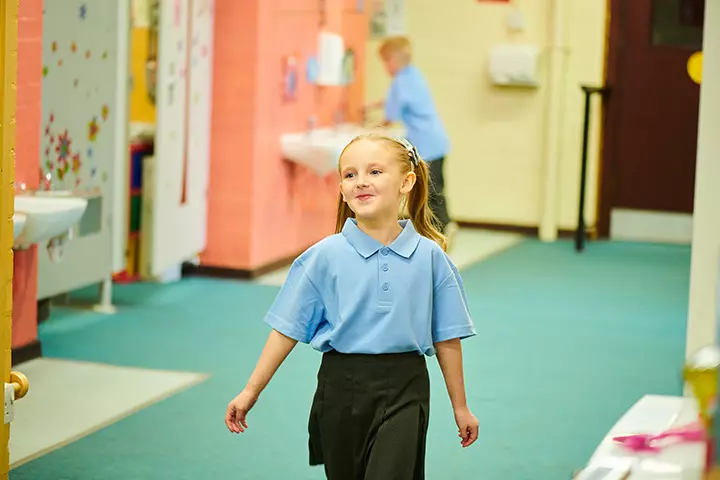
(341, 192)
(408, 183)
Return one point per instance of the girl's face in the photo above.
(392, 65)
(372, 180)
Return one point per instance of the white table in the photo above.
(654, 414)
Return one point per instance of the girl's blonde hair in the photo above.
(397, 46)
(419, 213)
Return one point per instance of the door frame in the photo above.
(8, 93)
(608, 141)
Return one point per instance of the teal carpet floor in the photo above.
(566, 343)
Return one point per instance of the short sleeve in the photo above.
(451, 317)
(393, 103)
(298, 309)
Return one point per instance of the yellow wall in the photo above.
(141, 109)
(495, 170)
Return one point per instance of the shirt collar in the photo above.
(404, 245)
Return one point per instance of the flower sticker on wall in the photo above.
(63, 147)
(76, 163)
(93, 129)
(105, 112)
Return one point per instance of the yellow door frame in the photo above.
(8, 95)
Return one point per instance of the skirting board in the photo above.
(27, 352)
(524, 230)
(189, 269)
(648, 226)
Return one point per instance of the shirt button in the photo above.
(386, 287)
(384, 251)
(385, 267)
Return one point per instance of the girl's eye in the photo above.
(375, 172)
(348, 175)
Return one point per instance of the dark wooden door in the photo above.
(652, 110)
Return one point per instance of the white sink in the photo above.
(18, 224)
(47, 216)
(319, 149)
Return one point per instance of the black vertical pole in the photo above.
(580, 231)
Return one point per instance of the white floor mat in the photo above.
(68, 400)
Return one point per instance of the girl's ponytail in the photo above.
(422, 217)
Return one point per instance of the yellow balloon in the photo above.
(695, 67)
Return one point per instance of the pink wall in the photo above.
(262, 208)
(232, 139)
(27, 154)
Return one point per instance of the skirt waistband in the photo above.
(407, 360)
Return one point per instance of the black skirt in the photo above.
(369, 417)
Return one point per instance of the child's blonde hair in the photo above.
(398, 47)
(421, 216)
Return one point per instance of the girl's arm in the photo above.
(276, 350)
(449, 354)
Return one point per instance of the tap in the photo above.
(20, 187)
(311, 123)
(339, 117)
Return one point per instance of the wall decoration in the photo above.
(395, 17)
(695, 67)
(311, 69)
(75, 117)
(378, 19)
(289, 75)
(388, 17)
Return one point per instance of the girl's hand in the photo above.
(238, 409)
(468, 426)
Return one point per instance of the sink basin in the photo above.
(53, 193)
(47, 216)
(18, 224)
(319, 149)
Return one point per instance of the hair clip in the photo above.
(412, 151)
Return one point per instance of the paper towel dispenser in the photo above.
(330, 57)
(514, 65)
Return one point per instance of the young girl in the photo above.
(375, 298)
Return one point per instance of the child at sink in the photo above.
(410, 102)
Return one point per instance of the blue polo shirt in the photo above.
(409, 100)
(352, 294)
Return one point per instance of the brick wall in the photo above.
(27, 164)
